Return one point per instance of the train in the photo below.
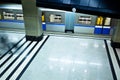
(11, 17)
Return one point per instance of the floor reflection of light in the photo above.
(66, 61)
(61, 68)
(53, 59)
(80, 62)
(85, 71)
(84, 44)
(73, 70)
(103, 46)
(96, 45)
(96, 64)
(51, 67)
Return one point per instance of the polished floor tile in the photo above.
(64, 58)
(114, 60)
(19, 60)
(8, 39)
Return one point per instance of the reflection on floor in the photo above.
(8, 40)
(77, 35)
(117, 54)
(62, 58)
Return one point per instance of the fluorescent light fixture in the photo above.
(10, 6)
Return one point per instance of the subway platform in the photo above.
(58, 57)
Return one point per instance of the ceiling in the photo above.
(108, 8)
(96, 7)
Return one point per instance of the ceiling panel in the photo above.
(75, 2)
(94, 3)
(102, 4)
(103, 7)
(66, 1)
(11, 1)
(55, 1)
(84, 2)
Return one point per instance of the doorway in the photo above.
(69, 21)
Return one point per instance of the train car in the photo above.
(103, 26)
(85, 23)
(55, 21)
(11, 17)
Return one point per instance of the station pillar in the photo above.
(115, 39)
(32, 20)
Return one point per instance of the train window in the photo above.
(84, 19)
(51, 18)
(43, 18)
(107, 21)
(55, 18)
(19, 16)
(100, 20)
(8, 15)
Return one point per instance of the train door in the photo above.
(103, 26)
(69, 21)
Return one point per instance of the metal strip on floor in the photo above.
(5, 59)
(110, 61)
(114, 60)
(9, 76)
(24, 58)
(14, 60)
(11, 48)
(117, 57)
(26, 66)
(61, 57)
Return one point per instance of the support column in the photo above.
(115, 41)
(32, 20)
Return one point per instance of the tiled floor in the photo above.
(114, 60)
(62, 58)
(8, 40)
